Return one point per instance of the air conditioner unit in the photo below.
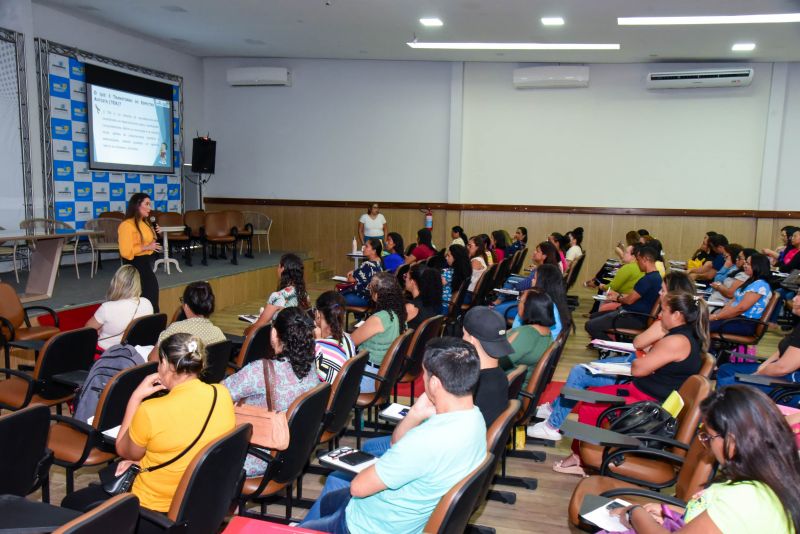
(548, 77)
(244, 76)
(700, 78)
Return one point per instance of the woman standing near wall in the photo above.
(372, 224)
(137, 242)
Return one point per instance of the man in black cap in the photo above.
(485, 329)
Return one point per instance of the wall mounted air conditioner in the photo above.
(547, 77)
(700, 78)
(244, 76)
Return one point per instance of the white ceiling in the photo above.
(379, 29)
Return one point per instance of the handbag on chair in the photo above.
(270, 429)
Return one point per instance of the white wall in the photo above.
(614, 143)
(788, 187)
(368, 130)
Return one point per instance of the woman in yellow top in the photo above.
(157, 430)
(137, 242)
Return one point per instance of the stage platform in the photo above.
(69, 292)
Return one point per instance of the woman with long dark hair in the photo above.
(520, 241)
(561, 243)
(424, 248)
(453, 276)
(291, 373)
(459, 237)
(759, 476)
(548, 277)
(382, 327)
(395, 257)
(531, 339)
(498, 240)
(137, 243)
(574, 251)
(425, 286)
(544, 253)
(291, 291)
(334, 346)
(477, 260)
(749, 301)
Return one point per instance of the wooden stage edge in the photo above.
(232, 289)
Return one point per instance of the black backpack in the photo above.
(113, 360)
(646, 417)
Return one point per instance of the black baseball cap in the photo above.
(488, 327)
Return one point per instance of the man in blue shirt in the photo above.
(640, 300)
(439, 442)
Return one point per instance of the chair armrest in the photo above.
(720, 332)
(374, 376)
(748, 356)
(10, 327)
(661, 439)
(625, 313)
(769, 381)
(77, 424)
(25, 376)
(590, 396)
(647, 494)
(527, 395)
(156, 518)
(52, 313)
(260, 453)
(598, 436)
(619, 454)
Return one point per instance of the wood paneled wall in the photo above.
(326, 232)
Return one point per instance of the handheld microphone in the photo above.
(152, 220)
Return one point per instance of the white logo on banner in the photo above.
(160, 192)
(119, 206)
(77, 90)
(174, 206)
(65, 191)
(82, 172)
(100, 192)
(80, 132)
(146, 179)
(83, 211)
(131, 189)
(116, 177)
(60, 108)
(62, 150)
(59, 65)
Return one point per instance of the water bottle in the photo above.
(355, 245)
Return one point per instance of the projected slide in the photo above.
(129, 131)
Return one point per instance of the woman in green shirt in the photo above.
(383, 326)
(530, 340)
(756, 450)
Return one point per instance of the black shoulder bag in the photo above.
(115, 484)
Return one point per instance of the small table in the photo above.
(357, 257)
(45, 259)
(166, 260)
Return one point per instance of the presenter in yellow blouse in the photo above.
(138, 241)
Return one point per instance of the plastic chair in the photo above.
(412, 362)
(120, 515)
(24, 458)
(261, 226)
(144, 330)
(15, 325)
(218, 356)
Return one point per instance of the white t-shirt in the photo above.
(573, 253)
(373, 227)
(114, 317)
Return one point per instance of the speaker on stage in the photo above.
(204, 155)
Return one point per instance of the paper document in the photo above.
(339, 278)
(512, 292)
(358, 324)
(602, 517)
(678, 270)
(614, 345)
(601, 298)
(602, 368)
(673, 404)
(395, 412)
(716, 303)
(112, 432)
(248, 318)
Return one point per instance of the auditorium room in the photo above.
(365, 267)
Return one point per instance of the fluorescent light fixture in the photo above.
(515, 46)
(552, 21)
(431, 22)
(743, 47)
(711, 19)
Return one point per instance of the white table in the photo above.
(45, 259)
(166, 260)
(357, 258)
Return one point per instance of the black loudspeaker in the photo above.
(204, 155)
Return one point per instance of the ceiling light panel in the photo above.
(431, 22)
(514, 46)
(710, 19)
(552, 21)
(743, 47)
